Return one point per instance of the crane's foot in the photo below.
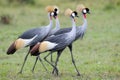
(55, 71)
(78, 74)
(32, 71)
(19, 72)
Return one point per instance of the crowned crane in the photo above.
(80, 29)
(57, 43)
(30, 37)
(53, 31)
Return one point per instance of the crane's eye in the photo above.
(52, 13)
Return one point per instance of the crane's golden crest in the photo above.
(50, 8)
(68, 12)
(19, 43)
(56, 7)
(80, 7)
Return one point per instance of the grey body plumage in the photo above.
(63, 40)
(40, 33)
(80, 30)
(36, 34)
(60, 40)
(58, 43)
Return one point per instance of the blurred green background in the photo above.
(97, 56)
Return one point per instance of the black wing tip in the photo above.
(35, 50)
(35, 54)
(11, 49)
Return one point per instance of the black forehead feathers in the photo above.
(55, 9)
(75, 12)
(87, 9)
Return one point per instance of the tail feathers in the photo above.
(11, 49)
(35, 50)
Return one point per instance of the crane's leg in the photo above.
(35, 64)
(45, 58)
(57, 59)
(42, 63)
(51, 58)
(73, 61)
(38, 57)
(24, 62)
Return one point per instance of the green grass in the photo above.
(97, 56)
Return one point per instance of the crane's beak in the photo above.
(89, 13)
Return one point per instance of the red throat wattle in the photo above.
(11, 49)
(84, 15)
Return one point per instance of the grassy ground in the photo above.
(97, 56)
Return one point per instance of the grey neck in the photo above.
(72, 33)
(49, 26)
(73, 26)
(57, 24)
(84, 25)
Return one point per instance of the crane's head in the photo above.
(56, 12)
(74, 14)
(71, 13)
(83, 9)
(53, 11)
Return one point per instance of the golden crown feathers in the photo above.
(68, 12)
(80, 7)
(50, 8)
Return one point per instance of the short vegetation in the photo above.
(97, 56)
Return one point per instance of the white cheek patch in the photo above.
(57, 12)
(73, 14)
(52, 14)
(84, 11)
